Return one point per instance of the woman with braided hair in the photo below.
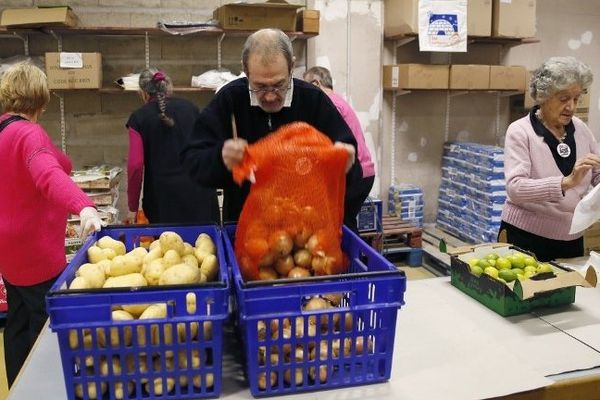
(157, 131)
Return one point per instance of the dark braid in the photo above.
(157, 83)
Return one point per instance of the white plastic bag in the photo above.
(443, 25)
(587, 211)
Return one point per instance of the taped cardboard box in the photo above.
(504, 77)
(415, 76)
(252, 16)
(401, 17)
(84, 74)
(39, 16)
(469, 77)
(308, 21)
(544, 289)
(514, 18)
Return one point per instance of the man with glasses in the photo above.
(247, 109)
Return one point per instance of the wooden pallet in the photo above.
(395, 232)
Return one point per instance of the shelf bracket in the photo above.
(25, 40)
(63, 129)
(401, 92)
(393, 143)
(147, 49)
(219, 50)
(58, 40)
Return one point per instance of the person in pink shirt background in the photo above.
(36, 197)
(321, 77)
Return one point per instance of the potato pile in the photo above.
(308, 350)
(168, 261)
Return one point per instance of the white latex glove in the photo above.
(89, 221)
(351, 153)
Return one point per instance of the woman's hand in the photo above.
(89, 221)
(233, 152)
(581, 167)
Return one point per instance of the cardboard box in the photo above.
(415, 76)
(520, 296)
(401, 17)
(42, 16)
(97, 177)
(513, 18)
(252, 16)
(307, 21)
(479, 18)
(469, 76)
(88, 76)
(508, 77)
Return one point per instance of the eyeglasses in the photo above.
(278, 89)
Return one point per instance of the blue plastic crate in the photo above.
(103, 354)
(372, 291)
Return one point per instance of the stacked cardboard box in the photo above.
(472, 192)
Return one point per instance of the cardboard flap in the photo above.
(455, 251)
(270, 3)
(528, 288)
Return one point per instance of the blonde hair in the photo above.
(24, 89)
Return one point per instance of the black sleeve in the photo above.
(201, 156)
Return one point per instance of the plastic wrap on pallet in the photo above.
(472, 191)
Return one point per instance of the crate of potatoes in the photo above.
(139, 313)
(319, 332)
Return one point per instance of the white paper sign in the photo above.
(71, 60)
(587, 211)
(443, 25)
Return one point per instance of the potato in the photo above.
(135, 310)
(191, 260)
(153, 254)
(92, 273)
(159, 388)
(92, 390)
(210, 267)
(105, 266)
(106, 242)
(119, 390)
(209, 380)
(139, 251)
(123, 265)
(80, 283)
(180, 274)
(154, 270)
(109, 253)
(129, 280)
(187, 249)
(95, 254)
(154, 311)
(206, 244)
(200, 255)
(120, 315)
(116, 367)
(171, 241)
(170, 258)
(154, 245)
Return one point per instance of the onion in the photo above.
(284, 265)
(281, 243)
(298, 272)
(267, 274)
(303, 258)
(302, 237)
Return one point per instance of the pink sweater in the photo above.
(535, 202)
(364, 157)
(36, 195)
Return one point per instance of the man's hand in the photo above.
(233, 152)
(351, 153)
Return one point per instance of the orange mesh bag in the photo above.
(291, 222)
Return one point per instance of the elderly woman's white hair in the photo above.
(556, 74)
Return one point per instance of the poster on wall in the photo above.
(443, 25)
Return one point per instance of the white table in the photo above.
(448, 346)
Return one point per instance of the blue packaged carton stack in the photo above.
(406, 201)
(472, 191)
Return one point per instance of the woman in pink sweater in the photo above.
(321, 77)
(551, 159)
(36, 196)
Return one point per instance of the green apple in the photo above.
(476, 270)
(507, 274)
(483, 263)
(544, 267)
(517, 260)
(530, 261)
(491, 271)
(491, 256)
(531, 269)
(473, 261)
(518, 271)
(503, 263)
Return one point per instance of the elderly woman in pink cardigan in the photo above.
(551, 159)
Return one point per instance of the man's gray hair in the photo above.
(268, 43)
(556, 74)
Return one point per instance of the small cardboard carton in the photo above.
(415, 76)
(74, 70)
(308, 21)
(39, 16)
(520, 296)
(503, 77)
(479, 17)
(252, 16)
(469, 76)
(514, 18)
